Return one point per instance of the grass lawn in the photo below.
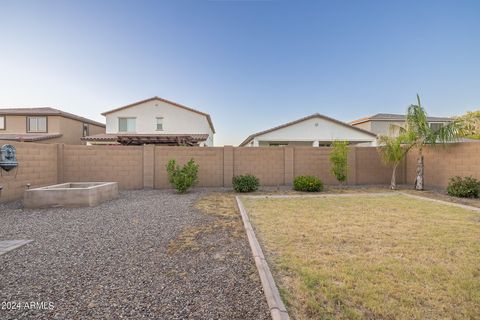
(378, 257)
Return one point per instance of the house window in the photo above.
(159, 124)
(86, 130)
(435, 126)
(126, 124)
(2, 122)
(36, 124)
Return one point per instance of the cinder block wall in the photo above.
(210, 160)
(37, 167)
(443, 162)
(123, 164)
(138, 167)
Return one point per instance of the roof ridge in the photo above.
(209, 119)
(314, 115)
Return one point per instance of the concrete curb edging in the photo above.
(275, 304)
(448, 203)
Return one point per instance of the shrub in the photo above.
(245, 183)
(308, 184)
(467, 187)
(182, 178)
(339, 160)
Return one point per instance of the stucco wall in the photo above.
(175, 120)
(315, 129)
(70, 129)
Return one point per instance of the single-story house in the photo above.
(314, 130)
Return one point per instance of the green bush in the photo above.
(467, 187)
(308, 184)
(339, 160)
(245, 183)
(182, 178)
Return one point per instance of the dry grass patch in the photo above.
(219, 205)
(379, 257)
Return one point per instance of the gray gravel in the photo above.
(113, 262)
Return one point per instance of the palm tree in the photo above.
(419, 134)
(392, 151)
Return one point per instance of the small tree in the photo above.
(392, 151)
(471, 124)
(339, 160)
(182, 178)
(419, 134)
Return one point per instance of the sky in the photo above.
(250, 64)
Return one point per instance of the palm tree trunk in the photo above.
(419, 178)
(393, 183)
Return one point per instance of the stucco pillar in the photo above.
(148, 166)
(316, 143)
(228, 161)
(255, 142)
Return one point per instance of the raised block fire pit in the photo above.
(71, 194)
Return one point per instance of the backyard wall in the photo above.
(443, 162)
(37, 166)
(138, 167)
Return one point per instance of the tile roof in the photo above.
(46, 111)
(315, 115)
(29, 137)
(394, 117)
(209, 119)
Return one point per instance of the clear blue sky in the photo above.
(250, 64)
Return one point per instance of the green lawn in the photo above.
(379, 257)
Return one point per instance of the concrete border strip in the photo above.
(453, 204)
(282, 196)
(274, 301)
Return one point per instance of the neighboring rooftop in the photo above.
(46, 111)
(394, 117)
(209, 119)
(29, 137)
(315, 115)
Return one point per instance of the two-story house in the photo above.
(46, 125)
(387, 124)
(155, 121)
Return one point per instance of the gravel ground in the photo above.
(113, 261)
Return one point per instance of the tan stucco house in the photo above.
(46, 125)
(315, 130)
(155, 121)
(385, 123)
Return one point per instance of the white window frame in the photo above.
(85, 129)
(3, 126)
(439, 123)
(128, 118)
(36, 130)
(159, 120)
